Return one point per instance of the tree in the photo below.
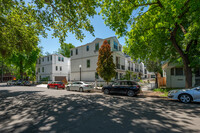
(105, 65)
(65, 49)
(128, 75)
(163, 29)
(25, 62)
(22, 18)
(154, 66)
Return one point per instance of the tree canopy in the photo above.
(65, 49)
(22, 19)
(105, 64)
(163, 29)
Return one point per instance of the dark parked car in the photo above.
(27, 83)
(19, 82)
(56, 85)
(129, 88)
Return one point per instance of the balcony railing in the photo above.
(118, 66)
(122, 67)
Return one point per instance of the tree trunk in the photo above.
(188, 72)
(2, 71)
(186, 63)
(21, 70)
(156, 80)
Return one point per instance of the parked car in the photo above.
(56, 85)
(19, 82)
(11, 82)
(127, 87)
(185, 95)
(27, 83)
(80, 86)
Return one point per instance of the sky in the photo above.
(101, 31)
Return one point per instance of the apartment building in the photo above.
(84, 60)
(53, 68)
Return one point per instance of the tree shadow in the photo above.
(31, 112)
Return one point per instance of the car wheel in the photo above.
(48, 87)
(185, 98)
(106, 91)
(81, 89)
(68, 89)
(130, 93)
(56, 87)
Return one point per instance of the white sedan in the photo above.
(185, 95)
(80, 86)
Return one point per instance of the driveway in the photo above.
(34, 109)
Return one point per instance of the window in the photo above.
(96, 75)
(109, 42)
(48, 58)
(38, 70)
(87, 48)
(116, 76)
(120, 48)
(39, 61)
(42, 69)
(197, 73)
(116, 83)
(172, 71)
(88, 63)
(71, 52)
(56, 68)
(96, 46)
(121, 75)
(51, 57)
(62, 59)
(60, 68)
(76, 51)
(179, 71)
(115, 45)
(42, 59)
(59, 58)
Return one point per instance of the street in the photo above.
(37, 109)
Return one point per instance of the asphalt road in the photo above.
(33, 109)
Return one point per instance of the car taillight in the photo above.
(137, 86)
(86, 85)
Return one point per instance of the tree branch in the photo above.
(182, 28)
(189, 46)
(148, 4)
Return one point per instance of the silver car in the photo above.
(185, 95)
(80, 86)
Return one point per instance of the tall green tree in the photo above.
(25, 63)
(19, 18)
(65, 49)
(105, 64)
(163, 29)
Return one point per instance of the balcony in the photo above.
(118, 66)
(122, 67)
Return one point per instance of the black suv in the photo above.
(127, 87)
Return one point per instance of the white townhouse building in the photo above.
(84, 60)
(53, 68)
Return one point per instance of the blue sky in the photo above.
(101, 31)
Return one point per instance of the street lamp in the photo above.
(80, 71)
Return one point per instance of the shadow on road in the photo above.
(32, 112)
